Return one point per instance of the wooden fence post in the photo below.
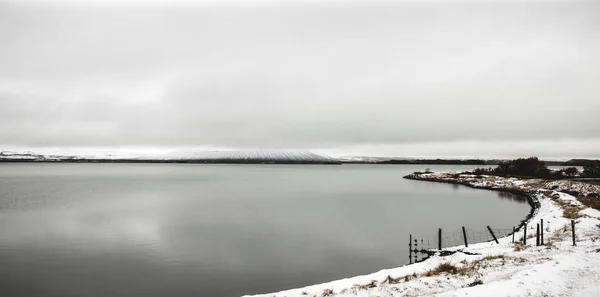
(440, 239)
(493, 235)
(537, 236)
(542, 231)
(525, 234)
(465, 236)
(573, 231)
(513, 241)
(410, 249)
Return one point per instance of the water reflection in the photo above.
(511, 197)
(179, 230)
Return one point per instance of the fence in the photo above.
(464, 236)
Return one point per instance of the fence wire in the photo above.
(452, 238)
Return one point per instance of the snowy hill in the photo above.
(187, 156)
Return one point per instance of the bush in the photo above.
(523, 167)
(483, 171)
(592, 169)
(531, 167)
(570, 171)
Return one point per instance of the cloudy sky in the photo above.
(344, 78)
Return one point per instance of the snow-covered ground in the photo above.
(556, 269)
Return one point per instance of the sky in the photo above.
(403, 79)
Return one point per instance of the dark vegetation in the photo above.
(435, 162)
(530, 167)
(579, 162)
(534, 168)
(592, 169)
(439, 161)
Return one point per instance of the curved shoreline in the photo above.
(532, 200)
(557, 268)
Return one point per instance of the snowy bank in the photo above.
(556, 269)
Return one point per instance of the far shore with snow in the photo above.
(505, 269)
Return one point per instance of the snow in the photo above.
(77, 153)
(556, 269)
(365, 159)
(166, 154)
(277, 155)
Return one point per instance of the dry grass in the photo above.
(327, 292)
(370, 285)
(466, 269)
(569, 211)
(470, 269)
(396, 280)
(559, 235)
(448, 268)
(519, 246)
(491, 261)
(592, 202)
(391, 280)
(492, 258)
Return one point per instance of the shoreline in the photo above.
(490, 269)
(169, 161)
(532, 200)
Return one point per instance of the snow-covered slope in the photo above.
(362, 159)
(261, 155)
(189, 154)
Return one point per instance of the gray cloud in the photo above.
(354, 77)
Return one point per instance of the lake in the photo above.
(220, 230)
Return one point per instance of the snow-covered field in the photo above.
(556, 269)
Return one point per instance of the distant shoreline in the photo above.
(263, 161)
(174, 161)
(530, 196)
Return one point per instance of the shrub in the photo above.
(524, 167)
(483, 171)
(529, 167)
(570, 171)
(592, 169)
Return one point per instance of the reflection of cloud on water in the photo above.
(96, 226)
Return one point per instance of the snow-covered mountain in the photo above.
(266, 156)
(260, 155)
(362, 159)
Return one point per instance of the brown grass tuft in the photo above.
(592, 202)
(519, 246)
(370, 285)
(392, 280)
(448, 268)
(569, 211)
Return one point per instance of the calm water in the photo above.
(218, 230)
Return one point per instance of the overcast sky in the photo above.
(344, 78)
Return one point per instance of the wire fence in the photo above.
(456, 237)
(423, 247)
